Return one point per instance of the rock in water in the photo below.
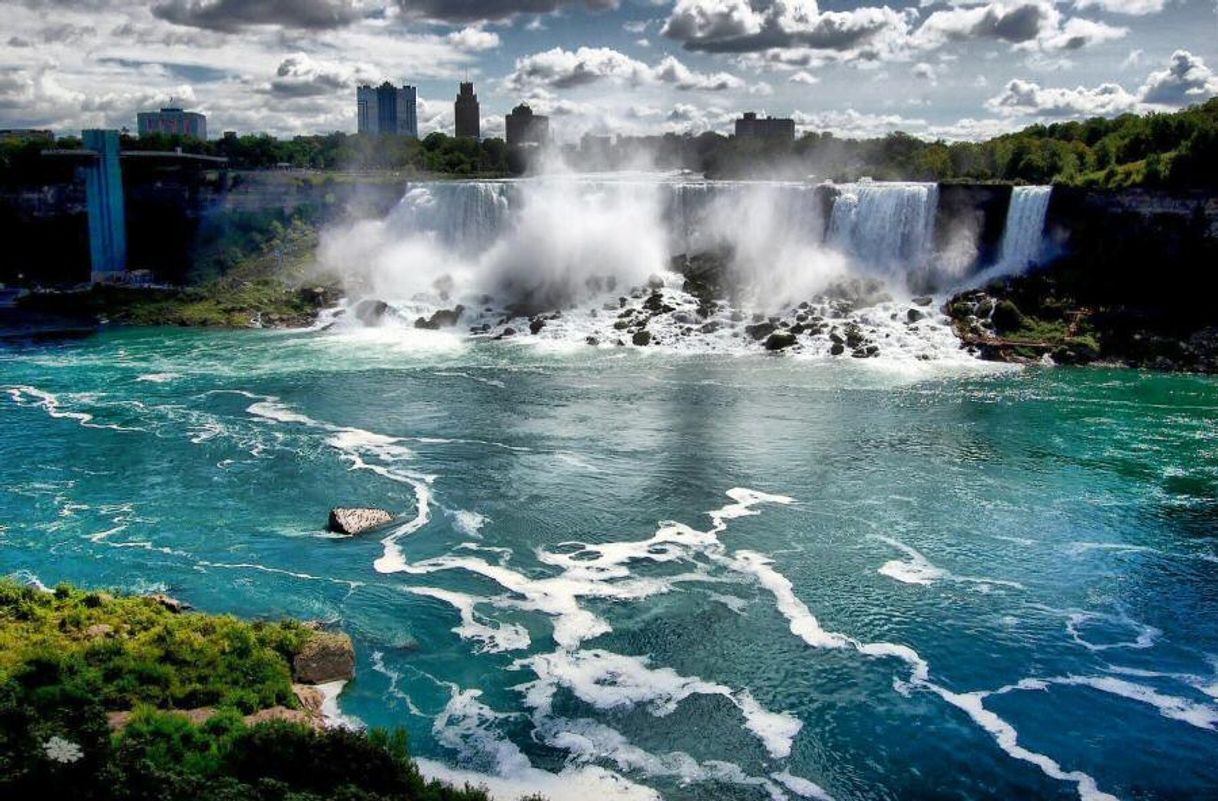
(779, 340)
(641, 338)
(325, 656)
(370, 312)
(356, 521)
(444, 318)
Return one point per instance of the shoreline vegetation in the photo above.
(1177, 150)
(132, 698)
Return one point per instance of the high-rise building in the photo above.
(751, 126)
(173, 121)
(526, 128)
(465, 111)
(387, 109)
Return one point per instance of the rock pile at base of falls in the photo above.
(354, 520)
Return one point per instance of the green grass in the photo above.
(125, 651)
(70, 656)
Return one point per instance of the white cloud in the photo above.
(559, 68)
(473, 39)
(804, 77)
(1186, 79)
(852, 124)
(1021, 97)
(1026, 24)
(924, 71)
(1130, 7)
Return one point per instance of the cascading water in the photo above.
(1023, 239)
(591, 259)
(885, 227)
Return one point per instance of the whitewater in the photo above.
(692, 569)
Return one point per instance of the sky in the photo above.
(953, 69)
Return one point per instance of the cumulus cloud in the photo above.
(473, 39)
(559, 68)
(233, 15)
(1029, 24)
(300, 75)
(804, 77)
(485, 10)
(1021, 97)
(746, 26)
(1186, 79)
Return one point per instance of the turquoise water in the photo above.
(958, 583)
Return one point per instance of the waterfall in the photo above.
(464, 215)
(885, 227)
(1023, 239)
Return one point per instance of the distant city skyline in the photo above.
(933, 68)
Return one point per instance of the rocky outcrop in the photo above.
(172, 604)
(444, 318)
(357, 520)
(325, 656)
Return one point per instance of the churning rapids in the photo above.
(677, 263)
(656, 572)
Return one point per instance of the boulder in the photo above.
(325, 656)
(99, 630)
(593, 341)
(444, 318)
(759, 331)
(371, 311)
(780, 340)
(641, 338)
(357, 520)
(1007, 317)
(838, 349)
(536, 324)
(913, 315)
(923, 300)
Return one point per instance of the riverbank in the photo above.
(105, 696)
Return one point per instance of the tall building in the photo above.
(387, 109)
(173, 121)
(750, 126)
(465, 112)
(526, 128)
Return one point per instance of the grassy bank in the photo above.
(71, 659)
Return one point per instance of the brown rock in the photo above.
(99, 630)
(326, 656)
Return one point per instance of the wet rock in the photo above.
(854, 335)
(444, 318)
(836, 338)
(508, 332)
(371, 311)
(837, 349)
(355, 520)
(780, 340)
(682, 318)
(536, 324)
(641, 338)
(913, 315)
(621, 325)
(655, 304)
(710, 328)
(325, 656)
(737, 316)
(593, 341)
(923, 300)
(759, 330)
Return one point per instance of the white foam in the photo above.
(801, 786)
(51, 404)
(331, 715)
(469, 523)
(494, 638)
(569, 784)
(607, 680)
(1202, 716)
(158, 378)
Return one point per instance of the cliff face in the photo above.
(1131, 279)
(179, 223)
